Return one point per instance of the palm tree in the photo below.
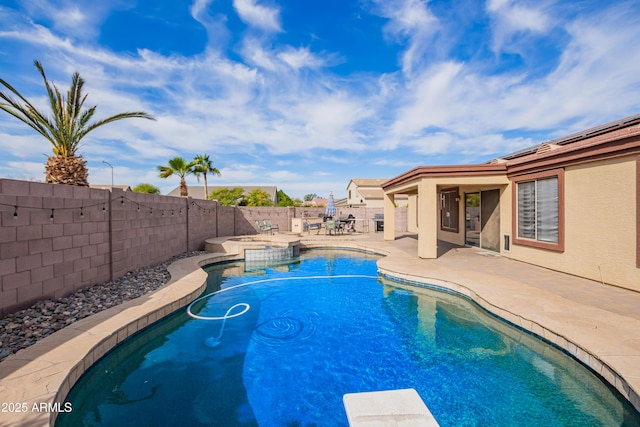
(66, 127)
(178, 166)
(203, 165)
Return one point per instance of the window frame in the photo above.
(455, 194)
(516, 240)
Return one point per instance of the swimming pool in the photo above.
(326, 326)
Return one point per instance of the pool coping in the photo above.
(44, 373)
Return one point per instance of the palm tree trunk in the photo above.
(206, 192)
(71, 170)
(184, 191)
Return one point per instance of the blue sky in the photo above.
(307, 94)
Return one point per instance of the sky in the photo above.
(308, 94)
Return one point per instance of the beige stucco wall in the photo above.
(352, 190)
(600, 225)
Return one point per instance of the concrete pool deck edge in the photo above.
(45, 372)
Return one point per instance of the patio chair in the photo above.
(267, 224)
(261, 228)
(329, 227)
(312, 226)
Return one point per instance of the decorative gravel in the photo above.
(26, 327)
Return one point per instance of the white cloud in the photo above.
(258, 16)
(432, 101)
(199, 7)
(518, 17)
(596, 76)
(21, 141)
(255, 54)
(300, 58)
(281, 61)
(79, 19)
(409, 20)
(283, 176)
(511, 18)
(215, 25)
(452, 104)
(464, 147)
(26, 171)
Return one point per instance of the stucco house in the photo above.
(367, 192)
(570, 204)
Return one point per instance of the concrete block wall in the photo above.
(226, 221)
(248, 215)
(55, 242)
(204, 217)
(62, 238)
(145, 229)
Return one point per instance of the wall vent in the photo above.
(506, 242)
(546, 147)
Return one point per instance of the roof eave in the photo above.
(443, 171)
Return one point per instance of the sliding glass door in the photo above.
(482, 219)
(472, 219)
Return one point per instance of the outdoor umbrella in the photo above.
(331, 206)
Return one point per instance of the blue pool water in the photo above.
(304, 341)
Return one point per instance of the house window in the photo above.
(449, 200)
(538, 206)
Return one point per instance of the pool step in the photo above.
(388, 408)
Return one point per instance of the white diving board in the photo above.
(402, 408)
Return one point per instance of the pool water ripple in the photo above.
(293, 325)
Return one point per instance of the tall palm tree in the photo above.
(178, 166)
(66, 127)
(203, 165)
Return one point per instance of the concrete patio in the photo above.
(597, 323)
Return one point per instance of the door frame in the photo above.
(485, 225)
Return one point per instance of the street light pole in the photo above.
(111, 173)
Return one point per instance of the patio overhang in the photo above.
(444, 174)
(423, 183)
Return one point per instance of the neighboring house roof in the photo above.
(341, 202)
(197, 191)
(108, 187)
(371, 193)
(319, 201)
(370, 188)
(368, 182)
